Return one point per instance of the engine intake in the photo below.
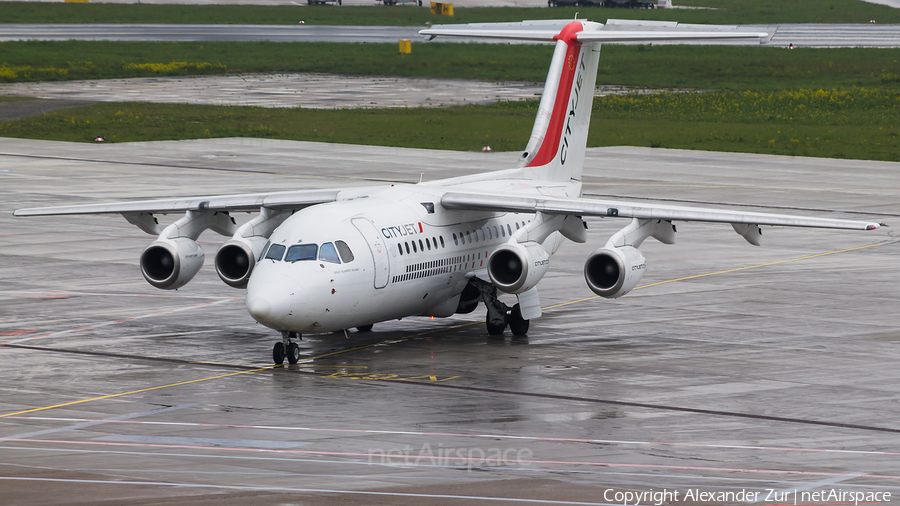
(169, 264)
(517, 267)
(236, 258)
(613, 272)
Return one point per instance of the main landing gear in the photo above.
(286, 348)
(499, 315)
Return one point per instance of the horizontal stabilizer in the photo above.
(613, 31)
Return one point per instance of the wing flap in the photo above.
(591, 207)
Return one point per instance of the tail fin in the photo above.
(555, 151)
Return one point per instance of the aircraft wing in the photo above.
(247, 202)
(594, 207)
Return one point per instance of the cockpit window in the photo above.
(301, 252)
(262, 254)
(328, 254)
(346, 254)
(275, 252)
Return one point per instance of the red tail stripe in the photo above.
(550, 146)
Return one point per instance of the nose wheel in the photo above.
(286, 349)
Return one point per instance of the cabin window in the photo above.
(455, 239)
(502, 231)
(434, 241)
(428, 243)
(489, 235)
(468, 237)
(300, 252)
(344, 250)
(475, 233)
(442, 242)
(276, 251)
(414, 247)
(517, 226)
(496, 232)
(400, 248)
(327, 253)
(407, 247)
(482, 234)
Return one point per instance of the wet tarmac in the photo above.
(762, 370)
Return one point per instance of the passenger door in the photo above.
(377, 247)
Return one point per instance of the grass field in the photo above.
(721, 67)
(724, 11)
(860, 124)
(811, 102)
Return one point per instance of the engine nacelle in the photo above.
(517, 267)
(612, 273)
(170, 263)
(236, 258)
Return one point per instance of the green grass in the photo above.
(859, 124)
(726, 11)
(721, 67)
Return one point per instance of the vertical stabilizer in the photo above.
(558, 141)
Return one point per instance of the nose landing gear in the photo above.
(286, 348)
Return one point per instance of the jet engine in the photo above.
(613, 272)
(517, 267)
(170, 263)
(236, 258)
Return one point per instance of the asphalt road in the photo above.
(799, 35)
(734, 368)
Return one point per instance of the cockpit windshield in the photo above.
(299, 252)
(275, 252)
(328, 254)
(346, 254)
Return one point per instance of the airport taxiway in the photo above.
(733, 368)
(783, 35)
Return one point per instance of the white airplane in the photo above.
(329, 260)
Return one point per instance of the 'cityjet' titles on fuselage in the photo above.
(579, 78)
(402, 230)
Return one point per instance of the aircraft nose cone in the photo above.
(259, 308)
(269, 310)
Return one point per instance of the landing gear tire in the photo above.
(364, 328)
(518, 325)
(286, 348)
(497, 312)
(495, 328)
(293, 353)
(278, 353)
